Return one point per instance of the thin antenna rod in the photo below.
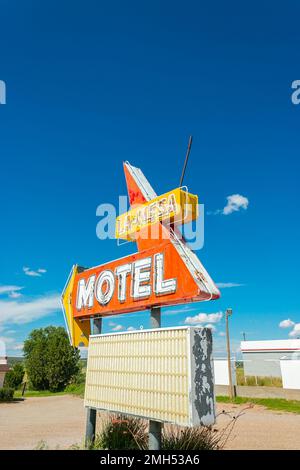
(186, 159)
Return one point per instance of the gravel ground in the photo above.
(59, 421)
(257, 428)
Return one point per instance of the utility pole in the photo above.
(228, 314)
(244, 336)
(155, 427)
(91, 415)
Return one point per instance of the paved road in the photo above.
(60, 421)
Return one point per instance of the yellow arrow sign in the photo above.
(78, 330)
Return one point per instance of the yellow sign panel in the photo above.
(176, 207)
(78, 332)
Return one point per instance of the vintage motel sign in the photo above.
(163, 272)
(162, 374)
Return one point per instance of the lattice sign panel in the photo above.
(163, 374)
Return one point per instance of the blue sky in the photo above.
(91, 84)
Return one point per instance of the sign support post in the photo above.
(155, 427)
(231, 389)
(91, 415)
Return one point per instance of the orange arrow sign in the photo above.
(163, 272)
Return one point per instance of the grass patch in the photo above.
(37, 393)
(72, 389)
(251, 380)
(75, 389)
(275, 404)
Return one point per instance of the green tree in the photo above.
(50, 361)
(14, 377)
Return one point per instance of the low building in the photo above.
(3, 369)
(262, 358)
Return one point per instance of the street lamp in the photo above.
(228, 314)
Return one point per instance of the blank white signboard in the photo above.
(162, 374)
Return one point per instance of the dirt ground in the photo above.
(59, 421)
(257, 428)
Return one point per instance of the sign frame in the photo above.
(200, 382)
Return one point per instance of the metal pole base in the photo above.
(155, 435)
(90, 430)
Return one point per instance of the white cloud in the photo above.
(118, 328)
(204, 318)
(8, 346)
(7, 339)
(177, 310)
(286, 323)
(227, 285)
(235, 202)
(295, 331)
(3, 351)
(31, 272)
(131, 328)
(9, 289)
(18, 312)
(15, 295)
(295, 327)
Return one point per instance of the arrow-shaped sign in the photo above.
(163, 272)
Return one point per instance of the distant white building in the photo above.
(3, 369)
(262, 358)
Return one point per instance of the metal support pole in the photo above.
(91, 415)
(155, 427)
(231, 391)
(97, 326)
(90, 430)
(155, 435)
(155, 318)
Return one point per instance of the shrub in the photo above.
(122, 434)
(80, 377)
(6, 394)
(50, 361)
(132, 433)
(14, 377)
(197, 438)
